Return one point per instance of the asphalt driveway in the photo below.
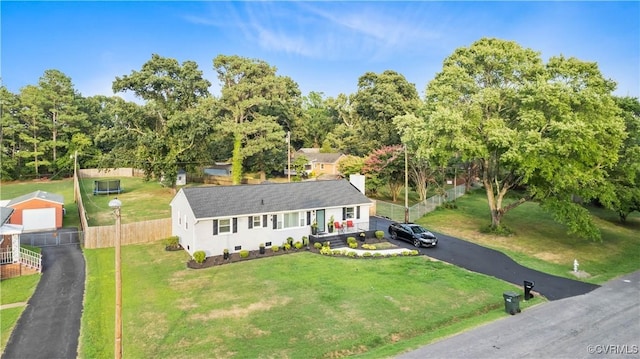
(491, 262)
(50, 324)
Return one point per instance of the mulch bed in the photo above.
(268, 252)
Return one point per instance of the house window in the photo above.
(349, 212)
(224, 226)
(256, 221)
(291, 220)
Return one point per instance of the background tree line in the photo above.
(548, 132)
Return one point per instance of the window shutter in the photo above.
(308, 218)
(235, 225)
(215, 227)
(344, 213)
(264, 220)
(358, 212)
(274, 218)
(250, 222)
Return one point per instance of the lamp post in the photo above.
(406, 185)
(115, 204)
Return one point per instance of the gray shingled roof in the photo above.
(46, 196)
(319, 157)
(5, 213)
(225, 201)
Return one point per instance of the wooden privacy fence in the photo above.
(131, 233)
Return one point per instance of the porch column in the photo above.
(15, 247)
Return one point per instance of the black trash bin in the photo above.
(527, 289)
(511, 302)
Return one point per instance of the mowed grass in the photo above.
(14, 290)
(300, 305)
(541, 243)
(141, 201)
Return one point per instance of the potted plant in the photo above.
(330, 224)
(262, 248)
(225, 253)
(314, 228)
(362, 236)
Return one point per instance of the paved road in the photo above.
(604, 323)
(491, 262)
(50, 325)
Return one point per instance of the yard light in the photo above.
(115, 204)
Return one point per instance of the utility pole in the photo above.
(115, 204)
(406, 185)
(288, 156)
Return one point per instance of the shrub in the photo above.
(406, 253)
(287, 246)
(415, 252)
(244, 253)
(369, 246)
(336, 252)
(351, 240)
(275, 248)
(367, 254)
(353, 245)
(379, 234)
(325, 251)
(352, 254)
(317, 245)
(297, 245)
(377, 254)
(172, 241)
(327, 244)
(199, 256)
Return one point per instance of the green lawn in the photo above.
(14, 290)
(141, 201)
(543, 244)
(301, 305)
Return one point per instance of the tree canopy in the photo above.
(551, 129)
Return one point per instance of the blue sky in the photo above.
(323, 46)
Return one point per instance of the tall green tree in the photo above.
(552, 128)
(9, 135)
(256, 106)
(33, 137)
(59, 101)
(380, 98)
(170, 134)
(626, 175)
(316, 121)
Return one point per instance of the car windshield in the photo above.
(418, 229)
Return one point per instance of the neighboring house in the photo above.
(319, 163)
(37, 211)
(242, 217)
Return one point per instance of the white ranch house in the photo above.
(215, 218)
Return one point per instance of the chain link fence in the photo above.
(396, 211)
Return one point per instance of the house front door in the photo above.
(322, 226)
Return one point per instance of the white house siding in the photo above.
(198, 234)
(183, 222)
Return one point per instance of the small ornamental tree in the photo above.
(387, 165)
